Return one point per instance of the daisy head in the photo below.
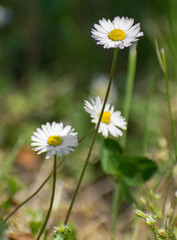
(54, 139)
(111, 121)
(119, 33)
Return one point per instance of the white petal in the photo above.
(99, 28)
(107, 25)
(101, 31)
(116, 119)
(39, 139)
(114, 131)
(105, 130)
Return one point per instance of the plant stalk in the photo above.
(148, 114)
(129, 87)
(117, 197)
(169, 103)
(41, 186)
(94, 137)
(52, 198)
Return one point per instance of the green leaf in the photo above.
(110, 152)
(136, 169)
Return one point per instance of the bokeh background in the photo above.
(49, 65)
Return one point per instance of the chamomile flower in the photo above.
(119, 33)
(111, 121)
(54, 139)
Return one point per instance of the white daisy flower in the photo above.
(54, 139)
(119, 33)
(111, 121)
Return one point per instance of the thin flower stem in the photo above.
(117, 197)
(41, 186)
(162, 61)
(148, 114)
(129, 87)
(26, 200)
(169, 103)
(163, 64)
(94, 137)
(86, 135)
(52, 198)
(126, 112)
(154, 233)
(173, 206)
(168, 184)
(165, 172)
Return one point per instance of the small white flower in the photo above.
(119, 33)
(111, 121)
(150, 219)
(54, 139)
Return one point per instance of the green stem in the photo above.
(94, 137)
(148, 113)
(173, 206)
(129, 87)
(163, 64)
(168, 185)
(154, 232)
(52, 198)
(26, 200)
(41, 186)
(162, 61)
(117, 196)
(169, 102)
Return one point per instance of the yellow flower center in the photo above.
(106, 118)
(54, 140)
(117, 35)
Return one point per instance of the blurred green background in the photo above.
(49, 63)
(48, 58)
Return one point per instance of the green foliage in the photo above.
(7, 165)
(63, 232)
(110, 153)
(13, 186)
(159, 233)
(127, 170)
(35, 220)
(133, 170)
(3, 228)
(136, 170)
(124, 188)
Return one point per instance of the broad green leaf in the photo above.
(110, 152)
(136, 170)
